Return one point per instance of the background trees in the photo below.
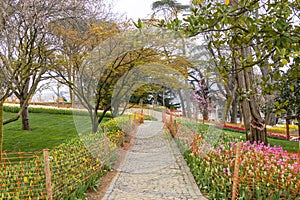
(257, 35)
(28, 45)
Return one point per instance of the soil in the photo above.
(106, 180)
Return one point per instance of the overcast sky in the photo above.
(137, 8)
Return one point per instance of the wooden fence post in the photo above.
(134, 118)
(105, 130)
(122, 137)
(236, 172)
(47, 173)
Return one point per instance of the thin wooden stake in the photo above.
(47, 173)
(236, 172)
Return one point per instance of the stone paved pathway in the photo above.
(153, 169)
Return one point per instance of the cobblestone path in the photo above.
(153, 169)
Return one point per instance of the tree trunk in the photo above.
(230, 98)
(270, 118)
(205, 113)
(241, 114)
(95, 123)
(233, 111)
(298, 119)
(163, 97)
(1, 129)
(155, 99)
(287, 120)
(182, 103)
(226, 110)
(25, 115)
(254, 124)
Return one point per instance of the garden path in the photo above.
(153, 168)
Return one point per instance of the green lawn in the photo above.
(47, 131)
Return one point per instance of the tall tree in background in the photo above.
(167, 9)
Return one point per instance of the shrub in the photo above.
(15, 109)
(118, 128)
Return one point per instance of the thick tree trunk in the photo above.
(25, 115)
(1, 129)
(254, 124)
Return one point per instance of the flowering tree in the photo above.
(201, 94)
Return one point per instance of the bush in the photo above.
(117, 129)
(15, 109)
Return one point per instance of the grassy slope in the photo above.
(47, 131)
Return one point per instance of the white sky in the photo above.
(137, 8)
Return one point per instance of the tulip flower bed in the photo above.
(282, 130)
(117, 129)
(274, 132)
(265, 172)
(262, 172)
(74, 167)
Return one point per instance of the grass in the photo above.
(47, 131)
(285, 144)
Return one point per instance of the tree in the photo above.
(254, 31)
(202, 96)
(29, 43)
(102, 69)
(288, 97)
(103, 77)
(169, 9)
(75, 43)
